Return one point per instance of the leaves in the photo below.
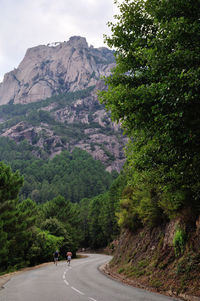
(154, 93)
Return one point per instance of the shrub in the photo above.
(179, 242)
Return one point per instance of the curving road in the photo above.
(82, 281)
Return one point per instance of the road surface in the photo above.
(82, 281)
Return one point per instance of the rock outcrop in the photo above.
(52, 69)
(96, 133)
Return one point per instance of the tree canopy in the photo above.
(154, 93)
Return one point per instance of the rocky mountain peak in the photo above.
(47, 70)
(77, 42)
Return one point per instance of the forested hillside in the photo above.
(31, 232)
(154, 94)
(64, 122)
(72, 175)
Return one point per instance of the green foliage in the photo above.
(10, 183)
(128, 216)
(58, 229)
(4, 246)
(148, 208)
(73, 175)
(43, 246)
(98, 221)
(139, 207)
(28, 111)
(179, 241)
(188, 265)
(30, 233)
(54, 226)
(154, 93)
(95, 226)
(84, 222)
(36, 117)
(62, 218)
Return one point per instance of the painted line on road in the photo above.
(64, 279)
(72, 287)
(75, 289)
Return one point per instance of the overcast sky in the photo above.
(28, 23)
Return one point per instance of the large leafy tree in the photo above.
(154, 93)
(66, 215)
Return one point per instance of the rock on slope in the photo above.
(148, 259)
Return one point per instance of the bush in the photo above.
(179, 242)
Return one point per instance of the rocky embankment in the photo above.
(147, 259)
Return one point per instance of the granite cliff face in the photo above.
(51, 101)
(52, 69)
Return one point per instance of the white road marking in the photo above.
(77, 290)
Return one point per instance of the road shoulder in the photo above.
(6, 277)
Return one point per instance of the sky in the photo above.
(29, 23)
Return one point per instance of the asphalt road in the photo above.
(82, 281)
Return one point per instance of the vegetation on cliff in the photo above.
(63, 122)
(72, 175)
(154, 93)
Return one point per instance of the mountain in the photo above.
(51, 101)
(52, 69)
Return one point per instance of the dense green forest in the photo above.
(47, 204)
(72, 175)
(30, 232)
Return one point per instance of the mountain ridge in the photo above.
(48, 70)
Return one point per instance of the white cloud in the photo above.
(28, 23)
